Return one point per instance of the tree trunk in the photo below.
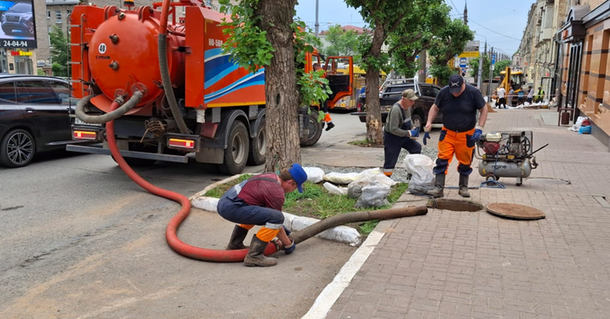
(282, 130)
(373, 110)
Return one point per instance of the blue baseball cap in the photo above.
(299, 175)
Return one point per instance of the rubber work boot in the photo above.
(255, 257)
(330, 126)
(439, 185)
(464, 186)
(237, 238)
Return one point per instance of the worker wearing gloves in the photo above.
(398, 132)
(459, 103)
(259, 201)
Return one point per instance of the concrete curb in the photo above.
(342, 234)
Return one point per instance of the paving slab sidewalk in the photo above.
(451, 264)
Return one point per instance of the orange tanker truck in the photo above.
(171, 90)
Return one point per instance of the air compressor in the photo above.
(507, 154)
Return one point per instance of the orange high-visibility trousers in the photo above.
(455, 143)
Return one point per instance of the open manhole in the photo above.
(455, 205)
(515, 211)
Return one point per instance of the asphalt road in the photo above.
(79, 239)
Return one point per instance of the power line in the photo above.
(486, 28)
(454, 7)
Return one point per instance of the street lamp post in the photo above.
(317, 25)
(480, 72)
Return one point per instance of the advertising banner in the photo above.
(17, 27)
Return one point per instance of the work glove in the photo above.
(290, 249)
(414, 133)
(426, 136)
(478, 132)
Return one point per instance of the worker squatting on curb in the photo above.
(459, 103)
(399, 133)
(259, 201)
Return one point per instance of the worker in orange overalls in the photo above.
(258, 201)
(327, 119)
(459, 103)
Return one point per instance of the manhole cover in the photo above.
(515, 211)
(455, 205)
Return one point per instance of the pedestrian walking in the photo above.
(530, 95)
(501, 98)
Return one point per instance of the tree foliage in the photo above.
(445, 45)
(60, 53)
(342, 42)
(263, 35)
(500, 66)
(384, 17)
(426, 19)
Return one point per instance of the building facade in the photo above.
(585, 67)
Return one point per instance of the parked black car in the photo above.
(34, 117)
(390, 94)
(19, 17)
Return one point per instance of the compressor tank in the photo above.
(500, 168)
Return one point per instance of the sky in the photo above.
(499, 22)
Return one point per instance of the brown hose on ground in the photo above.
(330, 222)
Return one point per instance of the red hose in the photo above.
(170, 233)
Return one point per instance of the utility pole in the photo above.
(491, 71)
(317, 25)
(480, 73)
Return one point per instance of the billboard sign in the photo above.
(17, 26)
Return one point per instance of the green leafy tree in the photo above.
(341, 42)
(474, 65)
(445, 45)
(426, 19)
(263, 34)
(501, 66)
(60, 53)
(384, 17)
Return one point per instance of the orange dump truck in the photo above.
(177, 91)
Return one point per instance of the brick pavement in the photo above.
(451, 264)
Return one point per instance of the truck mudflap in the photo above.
(91, 149)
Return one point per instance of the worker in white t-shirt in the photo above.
(501, 97)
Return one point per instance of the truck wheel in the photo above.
(258, 146)
(236, 153)
(315, 130)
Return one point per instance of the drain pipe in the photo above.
(165, 78)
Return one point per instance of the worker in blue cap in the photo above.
(259, 201)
